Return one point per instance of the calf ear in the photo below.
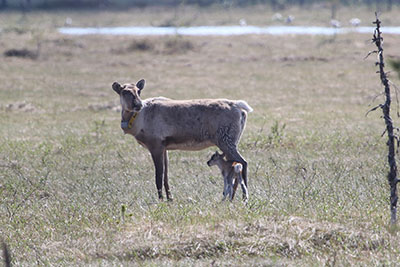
(117, 87)
(140, 85)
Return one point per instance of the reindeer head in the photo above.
(130, 95)
(215, 158)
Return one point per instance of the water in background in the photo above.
(224, 30)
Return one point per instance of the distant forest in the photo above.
(275, 4)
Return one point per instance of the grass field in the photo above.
(75, 191)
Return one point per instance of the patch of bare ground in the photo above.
(20, 107)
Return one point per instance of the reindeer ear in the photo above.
(117, 87)
(140, 85)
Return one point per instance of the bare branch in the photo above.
(369, 53)
(373, 109)
(384, 132)
(376, 96)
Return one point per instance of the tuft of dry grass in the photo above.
(141, 45)
(23, 53)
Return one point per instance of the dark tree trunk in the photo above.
(392, 175)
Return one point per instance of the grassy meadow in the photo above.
(75, 191)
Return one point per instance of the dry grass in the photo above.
(318, 191)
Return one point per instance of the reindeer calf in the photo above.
(232, 173)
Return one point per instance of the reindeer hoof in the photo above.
(169, 196)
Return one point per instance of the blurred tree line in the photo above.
(275, 4)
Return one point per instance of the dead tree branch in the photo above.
(6, 256)
(392, 175)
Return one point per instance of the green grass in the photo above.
(75, 191)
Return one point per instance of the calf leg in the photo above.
(158, 159)
(232, 154)
(230, 187)
(166, 185)
(245, 193)
(229, 184)
(235, 185)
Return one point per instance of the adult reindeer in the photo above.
(162, 124)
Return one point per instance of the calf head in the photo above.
(215, 158)
(130, 95)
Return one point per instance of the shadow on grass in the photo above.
(289, 239)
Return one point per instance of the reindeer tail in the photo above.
(237, 167)
(243, 105)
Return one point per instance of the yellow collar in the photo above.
(129, 124)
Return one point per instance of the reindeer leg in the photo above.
(225, 188)
(158, 159)
(166, 185)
